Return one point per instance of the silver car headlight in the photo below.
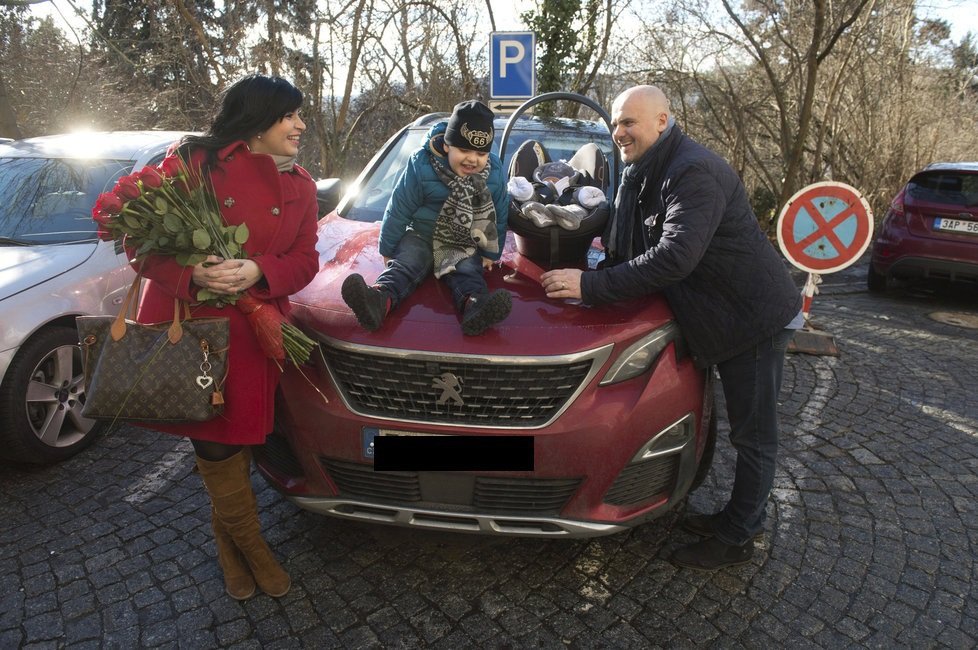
(640, 355)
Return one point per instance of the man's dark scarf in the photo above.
(623, 239)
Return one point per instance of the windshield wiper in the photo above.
(9, 241)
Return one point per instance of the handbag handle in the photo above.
(173, 333)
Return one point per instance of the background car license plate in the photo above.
(956, 225)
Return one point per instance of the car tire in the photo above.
(41, 400)
(706, 460)
(875, 281)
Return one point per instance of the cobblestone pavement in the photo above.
(871, 538)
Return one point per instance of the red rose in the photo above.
(107, 203)
(127, 188)
(171, 166)
(150, 177)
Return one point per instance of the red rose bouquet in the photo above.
(172, 210)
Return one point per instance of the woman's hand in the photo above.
(226, 277)
(487, 264)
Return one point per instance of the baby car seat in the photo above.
(558, 182)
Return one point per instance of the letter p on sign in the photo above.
(513, 65)
(510, 53)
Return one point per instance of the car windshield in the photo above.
(370, 202)
(49, 200)
(947, 186)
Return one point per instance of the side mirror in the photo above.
(328, 194)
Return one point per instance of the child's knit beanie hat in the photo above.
(470, 126)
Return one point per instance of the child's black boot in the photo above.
(482, 311)
(369, 304)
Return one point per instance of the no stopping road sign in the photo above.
(825, 227)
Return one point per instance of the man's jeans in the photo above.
(412, 264)
(751, 383)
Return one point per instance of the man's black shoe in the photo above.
(484, 311)
(369, 304)
(712, 554)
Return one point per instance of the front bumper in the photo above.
(456, 522)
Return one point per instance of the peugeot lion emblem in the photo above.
(451, 388)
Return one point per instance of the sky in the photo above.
(960, 14)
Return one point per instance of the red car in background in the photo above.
(620, 420)
(931, 228)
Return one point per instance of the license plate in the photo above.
(369, 433)
(956, 225)
(409, 451)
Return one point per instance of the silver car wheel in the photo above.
(55, 397)
(41, 400)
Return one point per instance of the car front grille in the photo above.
(513, 496)
(463, 390)
(644, 480)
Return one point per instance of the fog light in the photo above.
(668, 441)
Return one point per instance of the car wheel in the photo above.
(41, 400)
(706, 461)
(875, 281)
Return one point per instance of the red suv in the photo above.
(620, 421)
(931, 228)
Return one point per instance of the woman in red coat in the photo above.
(249, 154)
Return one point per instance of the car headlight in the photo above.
(639, 356)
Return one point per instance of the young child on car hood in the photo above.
(446, 215)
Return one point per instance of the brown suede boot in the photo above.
(238, 581)
(229, 484)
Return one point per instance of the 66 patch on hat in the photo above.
(470, 126)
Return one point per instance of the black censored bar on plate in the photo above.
(393, 453)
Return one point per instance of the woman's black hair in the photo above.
(248, 107)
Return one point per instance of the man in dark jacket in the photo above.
(683, 225)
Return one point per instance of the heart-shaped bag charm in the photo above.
(204, 381)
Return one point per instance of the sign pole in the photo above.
(808, 292)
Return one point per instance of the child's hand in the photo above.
(487, 264)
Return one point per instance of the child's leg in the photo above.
(466, 280)
(480, 310)
(411, 264)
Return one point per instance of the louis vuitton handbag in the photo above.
(163, 372)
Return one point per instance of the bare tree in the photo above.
(795, 91)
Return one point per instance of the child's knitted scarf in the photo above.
(467, 220)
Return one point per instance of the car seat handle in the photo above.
(557, 96)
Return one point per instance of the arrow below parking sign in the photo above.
(825, 227)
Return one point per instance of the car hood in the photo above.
(427, 320)
(22, 267)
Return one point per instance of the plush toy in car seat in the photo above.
(556, 195)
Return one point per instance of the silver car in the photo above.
(52, 269)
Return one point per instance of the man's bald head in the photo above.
(639, 115)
